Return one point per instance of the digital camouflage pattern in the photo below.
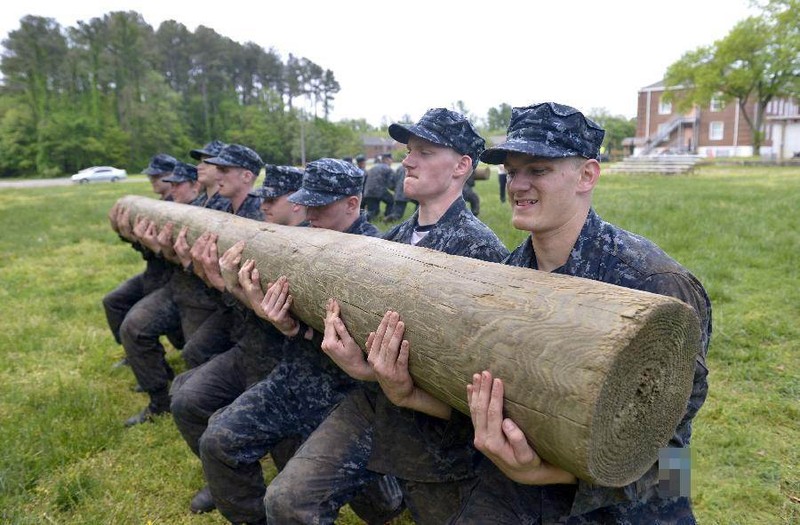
(211, 149)
(366, 434)
(161, 164)
(215, 202)
(278, 181)
(236, 155)
(606, 253)
(445, 128)
(182, 172)
(548, 130)
(249, 209)
(328, 180)
(291, 401)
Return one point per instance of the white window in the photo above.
(664, 107)
(716, 130)
(716, 104)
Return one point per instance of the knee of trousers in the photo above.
(279, 501)
(218, 446)
(184, 407)
(137, 326)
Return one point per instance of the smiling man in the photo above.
(550, 156)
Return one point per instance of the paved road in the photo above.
(43, 183)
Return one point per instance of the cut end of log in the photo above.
(645, 396)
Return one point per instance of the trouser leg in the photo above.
(120, 300)
(209, 337)
(198, 393)
(151, 317)
(328, 470)
(292, 400)
(435, 503)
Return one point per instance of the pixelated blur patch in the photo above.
(674, 472)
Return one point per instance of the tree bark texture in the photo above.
(597, 376)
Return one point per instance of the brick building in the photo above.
(714, 130)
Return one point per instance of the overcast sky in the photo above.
(401, 58)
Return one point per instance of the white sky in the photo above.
(401, 58)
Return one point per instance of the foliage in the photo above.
(497, 118)
(114, 90)
(617, 128)
(67, 458)
(756, 62)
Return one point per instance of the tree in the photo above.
(756, 62)
(498, 118)
(617, 128)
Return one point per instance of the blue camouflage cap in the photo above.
(160, 164)
(211, 149)
(445, 128)
(238, 156)
(279, 180)
(548, 130)
(182, 172)
(328, 180)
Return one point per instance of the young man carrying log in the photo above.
(302, 388)
(119, 301)
(550, 156)
(207, 175)
(186, 302)
(199, 392)
(388, 426)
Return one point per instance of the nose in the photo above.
(517, 183)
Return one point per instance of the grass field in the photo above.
(67, 459)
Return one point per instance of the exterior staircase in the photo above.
(659, 164)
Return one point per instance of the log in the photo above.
(597, 376)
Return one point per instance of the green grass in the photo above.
(67, 459)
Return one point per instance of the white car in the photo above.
(99, 173)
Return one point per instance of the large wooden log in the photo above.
(596, 375)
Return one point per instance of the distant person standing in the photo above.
(400, 199)
(470, 196)
(376, 187)
(502, 178)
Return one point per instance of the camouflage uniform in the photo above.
(216, 201)
(198, 393)
(376, 190)
(366, 434)
(186, 303)
(606, 253)
(400, 200)
(470, 196)
(292, 400)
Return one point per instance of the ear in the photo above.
(354, 204)
(464, 167)
(589, 176)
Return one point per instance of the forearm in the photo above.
(421, 401)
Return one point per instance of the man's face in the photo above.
(231, 180)
(332, 216)
(160, 187)
(279, 210)
(206, 173)
(429, 169)
(543, 192)
(184, 192)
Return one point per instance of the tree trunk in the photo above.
(597, 376)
